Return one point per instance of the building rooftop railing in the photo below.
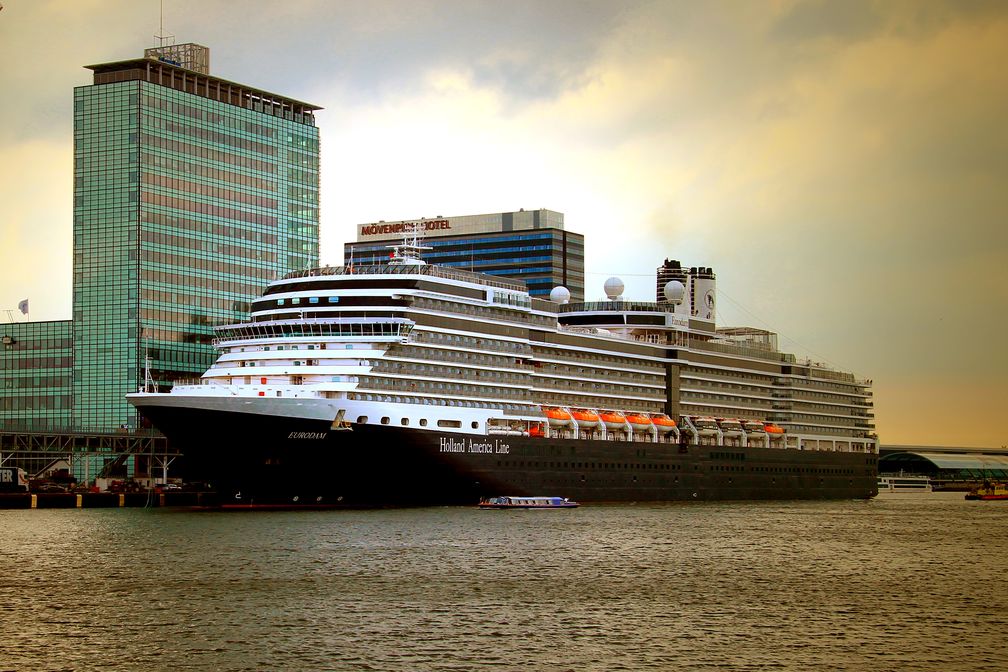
(412, 269)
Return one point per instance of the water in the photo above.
(909, 583)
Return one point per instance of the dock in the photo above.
(107, 500)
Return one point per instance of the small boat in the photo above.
(730, 427)
(527, 503)
(902, 484)
(639, 422)
(988, 492)
(558, 417)
(663, 423)
(613, 419)
(584, 418)
(706, 426)
(772, 428)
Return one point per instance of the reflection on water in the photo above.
(891, 584)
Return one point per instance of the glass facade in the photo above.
(185, 206)
(541, 258)
(36, 365)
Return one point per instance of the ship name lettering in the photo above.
(482, 447)
(449, 445)
(307, 435)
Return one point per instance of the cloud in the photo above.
(36, 241)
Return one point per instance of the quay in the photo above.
(107, 500)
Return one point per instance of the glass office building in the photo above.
(190, 193)
(36, 364)
(527, 245)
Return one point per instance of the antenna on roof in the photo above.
(161, 37)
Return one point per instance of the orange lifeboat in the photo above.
(558, 417)
(584, 418)
(663, 423)
(613, 419)
(537, 429)
(639, 421)
(773, 429)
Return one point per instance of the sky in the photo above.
(842, 166)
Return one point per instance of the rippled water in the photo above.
(892, 584)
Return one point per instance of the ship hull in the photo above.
(254, 459)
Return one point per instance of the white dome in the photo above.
(614, 288)
(560, 294)
(674, 291)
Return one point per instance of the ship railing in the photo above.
(445, 272)
(387, 328)
(732, 349)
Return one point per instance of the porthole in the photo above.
(385, 420)
(404, 422)
(423, 422)
(361, 419)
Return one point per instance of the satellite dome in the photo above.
(674, 291)
(614, 289)
(560, 294)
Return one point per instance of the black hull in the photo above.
(254, 459)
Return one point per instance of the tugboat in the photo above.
(989, 491)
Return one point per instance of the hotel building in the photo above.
(528, 245)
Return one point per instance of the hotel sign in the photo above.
(382, 229)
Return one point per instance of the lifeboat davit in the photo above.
(613, 419)
(639, 422)
(585, 419)
(663, 423)
(558, 417)
(773, 429)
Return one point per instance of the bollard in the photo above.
(34, 501)
(122, 499)
(80, 501)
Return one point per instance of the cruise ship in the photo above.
(408, 384)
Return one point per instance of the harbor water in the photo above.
(906, 583)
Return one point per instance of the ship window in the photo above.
(333, 299)
(475, 424)
(313, 299)
(280, 302)
(361, 419)
(295, 301)
(423, 422)
(385, 420)
(449, 423)
(404, 422)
